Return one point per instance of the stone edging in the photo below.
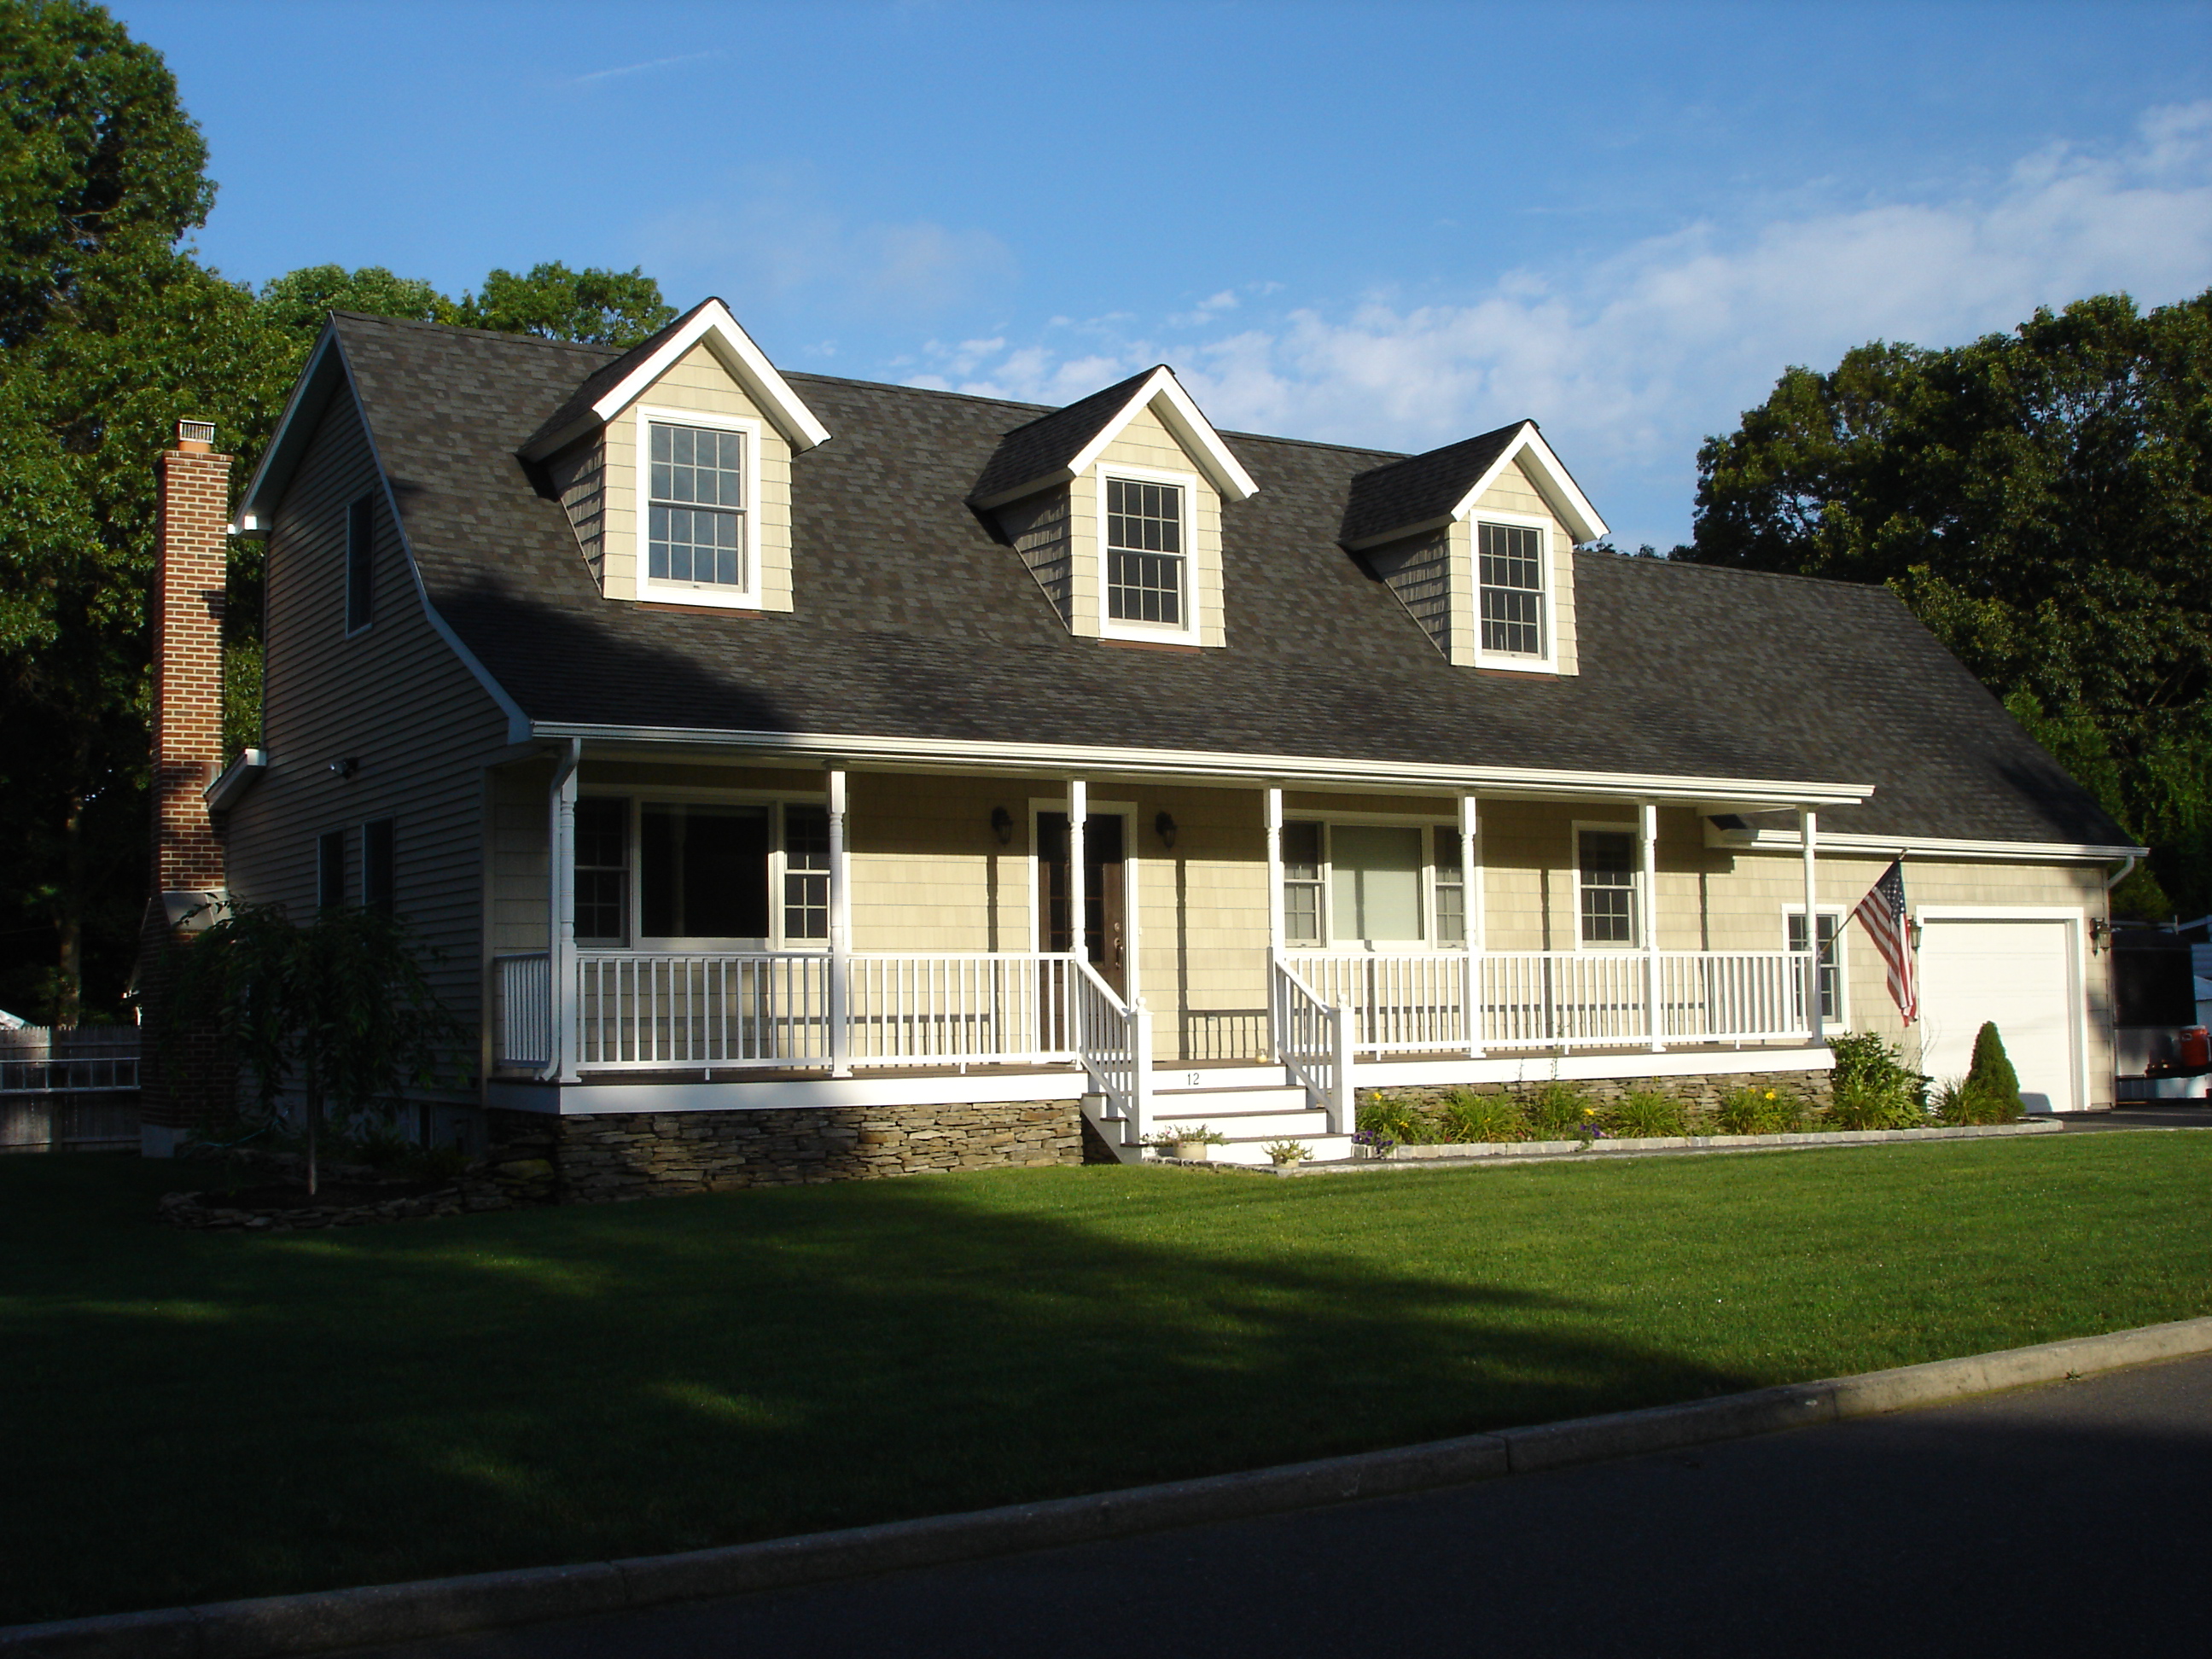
(316, 1622)
(1458, 1151)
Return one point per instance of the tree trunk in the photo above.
(69, 921)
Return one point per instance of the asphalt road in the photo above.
(2072, 1519)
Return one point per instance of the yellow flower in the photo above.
(1769, 1094)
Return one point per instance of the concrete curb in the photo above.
(275, 1625)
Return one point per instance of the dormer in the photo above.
(673, 463)
(1114, 504)
(1477, 539)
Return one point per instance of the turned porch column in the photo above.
(1647, 835)
(1470, 904)
(1809, 833)
(1273, 799)
(561, 915)
(1079, 809)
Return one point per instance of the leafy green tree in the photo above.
(339, 1010)
(297, 303)
(2043, 501)
(602, 308)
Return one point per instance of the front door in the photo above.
(1105, 914)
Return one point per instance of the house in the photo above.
(803, 776)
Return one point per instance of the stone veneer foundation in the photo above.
(1703, 1091)
(609, 1156)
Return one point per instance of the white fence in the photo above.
(1445, 1001)
(68, 1090)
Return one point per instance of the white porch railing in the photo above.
(1113, 1041)
(1414, 1003)
(1000, 1009)
(522, 996)
(1315, 1039)
(649, 1010)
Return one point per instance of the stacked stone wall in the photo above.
(604, 1157)
(1703, 1091)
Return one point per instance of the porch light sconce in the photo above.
(1002, 825)
(346, 767)
(1164, 827)
(2100, 934)
(1912, 931)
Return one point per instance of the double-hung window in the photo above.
(1831, 990)
(1511, 580)
(1607, 883)
(695, 507)
(1350, 885)
(1146, 563)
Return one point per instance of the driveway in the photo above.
(2072, 1519)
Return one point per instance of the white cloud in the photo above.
(1630, 362)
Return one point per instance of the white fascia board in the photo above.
(1552, 478)
(948, 754)
(733, 348)
(1933, 847)
(310, 394)
(237, 778)
(1192, 429)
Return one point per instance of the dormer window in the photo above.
(697, 505)
(699, 535)
(1144, 544)
(1511, 557)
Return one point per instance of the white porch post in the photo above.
(1079, 809)
(1647, 835)
(561, 915)
(1809, 833)
(1273, 809)
(1470, 900)
(840, 941)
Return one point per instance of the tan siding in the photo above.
(1419, 570)
(579, 477)
(518, 870)
(1515, 493)
(1038, 528)
(1145, 442)
(393, 697)
(698, 380)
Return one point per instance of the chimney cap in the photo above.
(196, 435)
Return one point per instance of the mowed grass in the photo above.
(190, 1417)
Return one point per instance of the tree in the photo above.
(340, 1009)
(2043, 502)
(599, 307)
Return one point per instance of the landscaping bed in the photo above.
(223, 1414)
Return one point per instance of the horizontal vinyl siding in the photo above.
(1037, 527)
(394, 697)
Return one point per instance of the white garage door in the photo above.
(2019, 973)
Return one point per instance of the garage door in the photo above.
(2019, 973)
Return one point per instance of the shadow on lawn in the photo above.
(224, 1416)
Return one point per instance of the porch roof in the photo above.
(914, 626)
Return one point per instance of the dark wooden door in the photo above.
(1105, 905)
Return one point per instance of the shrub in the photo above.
(1991, 1090)
(436, 1162)
(1559, 1111)
(1648, 1113)
(1466, 1115)
(1408, 1125)
(1873, 1087)
(1759, 1112)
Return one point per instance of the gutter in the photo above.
(241, 776)
(1202, 765)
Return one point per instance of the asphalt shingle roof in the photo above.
(913, 621)
(1039, 448)
(1420, 490)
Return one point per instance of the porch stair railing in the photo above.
(1113, 1041)
(1316, 1043)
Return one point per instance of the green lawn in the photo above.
(194, 1416)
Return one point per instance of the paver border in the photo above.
(270, 1626)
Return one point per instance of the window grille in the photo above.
(1512, 579)
(1144, 552)
(1301, 883)
(1608, 861)
(696, 506)
(1451, 890)
(1830, 988)
(602, 869)
(805, 872)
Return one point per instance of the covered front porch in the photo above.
(1260, 1018)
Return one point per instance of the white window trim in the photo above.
(746, 597)
(1634, 941)
(1114, 627)
(1428, 823)
(1842, 1017)
(1548, 661)
(775, 800)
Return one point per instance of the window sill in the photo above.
(1126, 642)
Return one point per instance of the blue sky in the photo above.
(1395, 225)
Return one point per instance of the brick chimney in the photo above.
(194, 515)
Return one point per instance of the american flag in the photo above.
(1882, 910)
